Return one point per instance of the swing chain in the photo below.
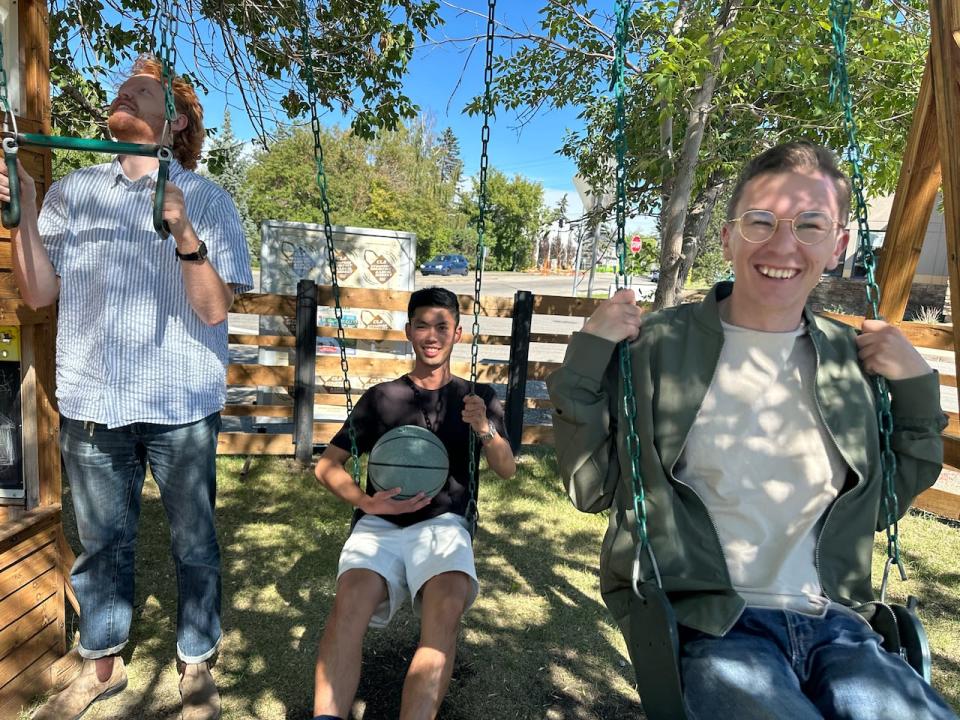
(321, 180)
(626, 369)
(840, 13)
(472, 508)
(168, 61)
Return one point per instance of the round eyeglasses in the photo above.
(810, 227)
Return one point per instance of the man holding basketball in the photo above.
(418, 548)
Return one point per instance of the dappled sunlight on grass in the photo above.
(538, 643)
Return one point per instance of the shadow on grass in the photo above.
(280, 538)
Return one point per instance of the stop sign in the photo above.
(636, 243)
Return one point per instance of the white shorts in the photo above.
(406, 557)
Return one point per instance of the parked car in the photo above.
(654, 276)
(446, 265)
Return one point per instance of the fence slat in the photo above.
(250, 375)
(238, 443)
(265, 304)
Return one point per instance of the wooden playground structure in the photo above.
(34, 557)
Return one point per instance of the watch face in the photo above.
(202, 251)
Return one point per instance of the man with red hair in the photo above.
(141, 358)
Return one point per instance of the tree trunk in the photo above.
(676, 208)
(698, 220)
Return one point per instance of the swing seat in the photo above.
(655, 653)
(903, 634)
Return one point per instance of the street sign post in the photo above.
(636, 244)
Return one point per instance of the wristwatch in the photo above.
(198, 256)
(489, 435)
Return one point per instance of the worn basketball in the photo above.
(411, 458)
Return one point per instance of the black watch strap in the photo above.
(198, 255)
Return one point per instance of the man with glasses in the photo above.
(760, 458)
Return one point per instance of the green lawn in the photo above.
(538, 644)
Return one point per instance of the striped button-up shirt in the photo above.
(130, 347)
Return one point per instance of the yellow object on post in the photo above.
(9, 343)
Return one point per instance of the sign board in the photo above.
(636, 244)
(365, 258)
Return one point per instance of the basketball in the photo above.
(411, 458)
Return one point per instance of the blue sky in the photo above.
(435, 84)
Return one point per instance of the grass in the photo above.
(538, 643)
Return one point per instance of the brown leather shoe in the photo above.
(74, 700)
(198, 691)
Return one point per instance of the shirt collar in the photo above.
(116, 171)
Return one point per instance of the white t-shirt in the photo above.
(760, 458)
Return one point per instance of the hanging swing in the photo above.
(472, 512)
(163, 151)
(653, 638)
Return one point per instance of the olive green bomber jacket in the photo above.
(674, 361)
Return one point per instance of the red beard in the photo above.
(123, 126)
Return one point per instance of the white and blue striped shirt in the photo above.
(130, 347)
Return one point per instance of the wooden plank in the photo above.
(67, 559)
(939, 502)
(48, 419)
(397, 300)
(251, 375)
(539, 403)
(948, 380)
(29, 652)
(28, 569)
(26, 546)
(35, 679)
(568, 306)
(8, 286)
(17, 312)
(262, 340)
(258, 410)
(28, 597)
(255, 444)
(33, 522)
(34, 41)
(28, 413)
(945, 64)
(27, 625)
(953, 424)
(912, 205)
(937, 336)
(951, 451)
(537, 435)
(265, 304)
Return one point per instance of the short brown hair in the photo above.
(796, 155)
(188, 142)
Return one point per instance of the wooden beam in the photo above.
(945, 64)
(939, 502)
(912, 205)
(254, 444)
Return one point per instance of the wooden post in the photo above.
(519, 354)
(912, 205)
(305, 370)
(945, 63)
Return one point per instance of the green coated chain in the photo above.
(473, 510)
(840, 12)
(626, 369)
(321, 178)
(168, 58)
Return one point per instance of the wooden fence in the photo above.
(298, 381)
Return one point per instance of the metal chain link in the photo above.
(168, 58)
(840, 13)
(321, 179)
(473, 510)
(626, 369)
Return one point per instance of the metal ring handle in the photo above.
(11, 209)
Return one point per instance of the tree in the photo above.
(390, 182)
(252, 48)
(227, 165)
(514, 215)
(709, 85)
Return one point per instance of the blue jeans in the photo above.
(782, 664)
(106, 469)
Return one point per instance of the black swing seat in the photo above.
(903, 634)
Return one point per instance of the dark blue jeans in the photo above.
(781, 664)
(106, 470)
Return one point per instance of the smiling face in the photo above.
(433, 331)
(138, 112)
(774, 279)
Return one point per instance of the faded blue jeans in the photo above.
(106, 470)
(780, 664)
